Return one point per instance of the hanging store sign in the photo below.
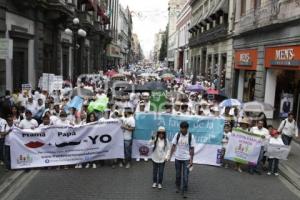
(6, 48)
(246, 59)
(285, 57)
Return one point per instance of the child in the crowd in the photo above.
(274, 162)
(226, 135)
(161, 148)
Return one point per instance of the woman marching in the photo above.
(161, 148)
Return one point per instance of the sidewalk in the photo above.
(290, 169)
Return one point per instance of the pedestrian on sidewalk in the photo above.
(183, 147)
(161, 148)
(288, 128)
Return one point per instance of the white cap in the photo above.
(146, 94)
(161, 129)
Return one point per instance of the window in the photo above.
(243, 7)
(257, 4)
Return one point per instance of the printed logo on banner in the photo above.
(24, 160)
(34, 144)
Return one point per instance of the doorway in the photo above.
(20, 63)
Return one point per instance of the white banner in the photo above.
(277, 151)
(55, 145)
(243, 147)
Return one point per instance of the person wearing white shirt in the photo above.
(10, 125)
(159, 155)
(183, 147)
(274, 162)
(32, 106)
(128, 128)
(3, 125)
(288, 128)
(63, 121)
(264, 134)
(28, 122)
(46, 122)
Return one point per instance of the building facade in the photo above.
(157, 45)
(183, 35)
(137, 52)
(175, 6)
(211, 44)
(267, 54)
(39, 43)
(124, 39)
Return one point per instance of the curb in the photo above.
(290, 175)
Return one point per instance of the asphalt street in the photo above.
(206, 182)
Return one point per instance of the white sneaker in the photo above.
(76, 167)
(146, 159)
(94, 166)
(127, 165)
(87, 166)
(276, 174)
(154, 185)
(120, 164)
(159, 186)
(137, 160)
(79, 166)
(269, 173)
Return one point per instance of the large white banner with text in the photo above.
(68, 145)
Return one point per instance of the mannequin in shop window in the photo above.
(286, 105)
(252, 87)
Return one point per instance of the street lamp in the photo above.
(75, 31)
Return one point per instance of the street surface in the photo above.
(105, 183)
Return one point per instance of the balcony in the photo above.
(212, 35)
(268, 14)
(86, 18)
(58, 7)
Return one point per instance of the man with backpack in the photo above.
(183, 147)
(288, 128)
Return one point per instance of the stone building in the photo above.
(267, 53)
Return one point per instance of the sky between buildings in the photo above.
(149, 16)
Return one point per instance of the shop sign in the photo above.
(6, 48)
(287, 57)
(114, 51)
(246, 59)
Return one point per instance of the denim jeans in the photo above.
(286, 139)
(7, 156)
(2, 140)
(127, 150)
(158, 172)
(253, 168)
(273, 165)
(182, 171)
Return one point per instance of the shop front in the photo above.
(283, 79)
(245, 66)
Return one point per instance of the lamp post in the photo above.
(75, 31)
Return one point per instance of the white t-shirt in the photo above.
(263, 132)
(3, 125)
(129, 121)
(182, 151)
(28, 124)
(161, 151)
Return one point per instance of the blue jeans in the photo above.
(286, 139)
(273, 165)
(254, 168)
(158, 172)
(182, 170)
(7, 156)
(2, 140)
(127, 150)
